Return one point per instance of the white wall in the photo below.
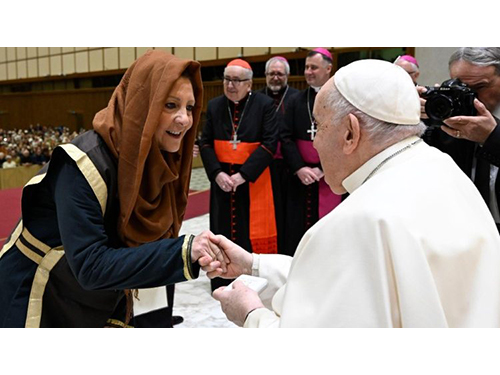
(433, 62)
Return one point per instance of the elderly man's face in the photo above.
(328, 141)
(483, 79)
(317, 70)
(410, 69)
(276, 77)
(236, 83)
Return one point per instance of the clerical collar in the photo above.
(241, 102)
(276, 93)
(316, 88)
(358, 177)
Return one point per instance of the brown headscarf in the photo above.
(153, 185)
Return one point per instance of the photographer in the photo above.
(474, 141)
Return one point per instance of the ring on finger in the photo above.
(458, 133)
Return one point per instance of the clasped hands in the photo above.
(229, 183)
(309, 175)
(219, 257)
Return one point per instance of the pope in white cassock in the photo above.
(414, 244)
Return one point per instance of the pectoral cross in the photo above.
(313, 130)
(235, 141)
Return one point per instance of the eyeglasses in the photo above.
(276, 74)
(234, 81)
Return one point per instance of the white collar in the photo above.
(356, 179)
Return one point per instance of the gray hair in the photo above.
(248, 72)
(278, 59)
(379, 132)
(482, 56)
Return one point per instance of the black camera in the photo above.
(452, 98)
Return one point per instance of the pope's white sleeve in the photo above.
(262, 318)
(274, 268)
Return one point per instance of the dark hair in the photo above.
(325, 58)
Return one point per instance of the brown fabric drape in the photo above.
(153, 185)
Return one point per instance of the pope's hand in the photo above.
(238, 302)
(210, 257)
(239, 260)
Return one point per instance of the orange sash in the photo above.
(263, 234)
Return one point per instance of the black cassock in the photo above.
(279, 170)
(305, 205)
(254, 119)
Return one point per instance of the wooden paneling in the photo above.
(17, 177)
(70, 108)
(75, 108)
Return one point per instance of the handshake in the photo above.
(219, 257)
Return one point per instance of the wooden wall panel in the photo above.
(70, 108)
(11, 53)
(43, 51)
(96, 62)
(75, 108)
(69, 63)
(205, 53)
(22, 69)
(3, 72)
(20, 53)
(184, 52)
(56, 65)
(127, 56)
(33, 68)
(11, 70)
(111, 59)
(32, 52)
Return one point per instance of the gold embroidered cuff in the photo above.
(186, 256)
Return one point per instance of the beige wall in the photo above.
(433, 62)
(33, 62)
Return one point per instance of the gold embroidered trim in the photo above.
(118, 323)
(36, 179)
(35, 242)
(29, 253)
(90, 173)
(186, 255)
(48, 262)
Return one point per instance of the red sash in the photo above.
(262, 226)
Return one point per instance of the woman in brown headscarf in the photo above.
(103, 218)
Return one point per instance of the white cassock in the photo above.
(413, 246)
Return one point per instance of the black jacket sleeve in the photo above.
(491, 148)
(95, 264)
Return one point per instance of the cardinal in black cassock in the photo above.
(237, 146)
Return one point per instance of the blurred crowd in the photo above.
(34, 145)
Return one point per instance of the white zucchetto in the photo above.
(381, 90)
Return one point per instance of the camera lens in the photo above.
(439, 107)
